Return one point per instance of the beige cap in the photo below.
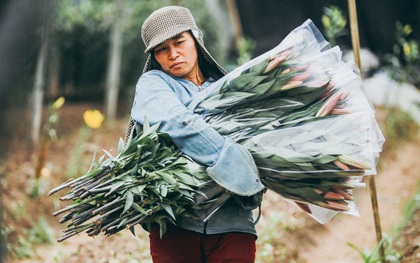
(168, 22)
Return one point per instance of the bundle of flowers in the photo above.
(304, 116)
(299, 110)
(148, 181)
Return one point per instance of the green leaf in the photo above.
(186, 178)
(162, 228)
(239, 82)
(128, 202)
(138, 208)
(163, 190)
(122, 223)
(116, 186)
(231, 98)
(247, 83)
(264, 87)
(146, 124)
(108, 154)
(185, 187)
(259, 67)
(141, 188)
(134, 170)
(168, 178)
(149, 130)
(168, 209)
(121, 145)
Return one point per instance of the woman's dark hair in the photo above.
(153, 62)
(208, 70)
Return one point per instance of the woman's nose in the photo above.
(173, 53)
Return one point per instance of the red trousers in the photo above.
(179, 245)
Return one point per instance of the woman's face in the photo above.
(178, 57)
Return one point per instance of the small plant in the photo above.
(58, 256)
(93, 120)
(40, 233)
(411, 206)
(49, 135)
(271, 244)
(18, 209)
(403, 65)
(334, 24)
(270, 249)
(24, 246)
(245, 49)
(5, 232)
(373, 256)
(20, 250)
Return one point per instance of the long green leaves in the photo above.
(149, 181)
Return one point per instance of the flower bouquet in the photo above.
(304, 116)
(300, 111)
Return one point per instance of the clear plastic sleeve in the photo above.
(304, 115)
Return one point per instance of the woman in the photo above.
(178, 67)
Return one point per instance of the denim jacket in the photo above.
(163, 99)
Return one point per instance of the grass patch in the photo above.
(398, 127)
(410, 208)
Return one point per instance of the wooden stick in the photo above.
(372, 185)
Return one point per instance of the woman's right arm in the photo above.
(229, 164)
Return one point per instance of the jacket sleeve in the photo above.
(229, 164)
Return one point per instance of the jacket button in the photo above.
(184, 123)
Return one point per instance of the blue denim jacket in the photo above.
(161, 98)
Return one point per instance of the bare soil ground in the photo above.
(304, 240)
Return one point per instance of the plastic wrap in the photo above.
(304, 115)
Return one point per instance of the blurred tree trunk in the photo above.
(39, 80)
(114, 63)
(54, 71)
(236, 22)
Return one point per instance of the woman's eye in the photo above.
(159, 50)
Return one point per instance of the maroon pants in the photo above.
(179, 245)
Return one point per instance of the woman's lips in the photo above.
(176, 65)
